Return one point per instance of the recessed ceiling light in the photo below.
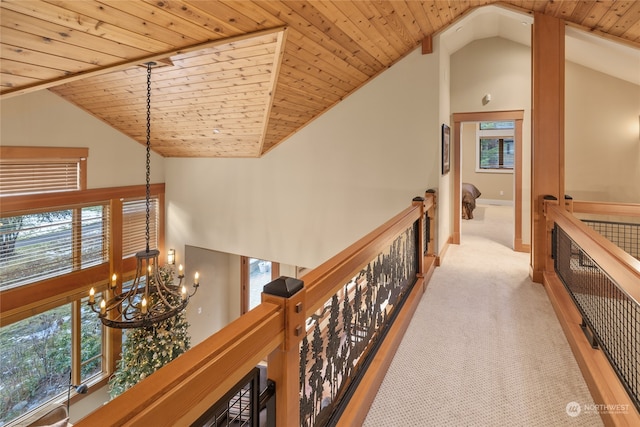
(216, 131)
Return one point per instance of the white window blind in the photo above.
(42, 245)
(34, 170)
(134, 226)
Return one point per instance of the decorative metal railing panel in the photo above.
(342, 333)
(624, 235)
(612, 316)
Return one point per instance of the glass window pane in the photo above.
(91, 337)
(489, 153)
(39, 246)
(95, 244)
(35, 361)
(497, 125)
(35, 247)
(259, 275)
(508, 154)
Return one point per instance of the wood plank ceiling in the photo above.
(234, 78)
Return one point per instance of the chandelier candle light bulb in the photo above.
(103, 307)
(144, 306)
(92, 296)
(113, 281)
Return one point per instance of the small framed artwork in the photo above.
(446, 149)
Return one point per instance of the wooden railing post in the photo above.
(284, 363)
(568, 203)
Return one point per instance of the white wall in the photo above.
(44, 119)
(445, 194)
(501, 68)
(602, 136)
(328, 185)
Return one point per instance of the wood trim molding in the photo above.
(179, 392)
(547, 126)
(15, 204)
(458, 118)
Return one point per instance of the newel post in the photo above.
(284, 362)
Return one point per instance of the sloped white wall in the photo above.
(331, 183)
(501, 68)
(326, 186)
(602, 136)
(44, 119)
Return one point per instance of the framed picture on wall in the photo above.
(446, 149)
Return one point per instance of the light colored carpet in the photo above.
(484, 347)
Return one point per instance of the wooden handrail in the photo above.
(603, 382)
(619, 265)
(181, 391)
(325, 280)
(607, 208)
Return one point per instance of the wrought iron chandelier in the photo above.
(153, 296)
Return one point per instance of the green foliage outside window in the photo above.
(36, 359)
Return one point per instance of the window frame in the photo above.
(25, 301)
(48, 155)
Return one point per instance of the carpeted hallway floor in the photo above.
(484, 347)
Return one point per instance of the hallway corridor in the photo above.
(484, 347)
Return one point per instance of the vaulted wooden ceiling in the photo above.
(233, 78)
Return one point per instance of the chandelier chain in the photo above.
(148, 164)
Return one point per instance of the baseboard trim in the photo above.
(497, 202)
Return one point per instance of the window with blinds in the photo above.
(495, 150)
(134, 214)
(39, 246)
(34, 170)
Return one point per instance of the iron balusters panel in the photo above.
(624, 235)
(344, 331)
(610, 314)
(239, 407)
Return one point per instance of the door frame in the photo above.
(459, 118)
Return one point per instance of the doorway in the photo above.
(458, 118)
(254, 274)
